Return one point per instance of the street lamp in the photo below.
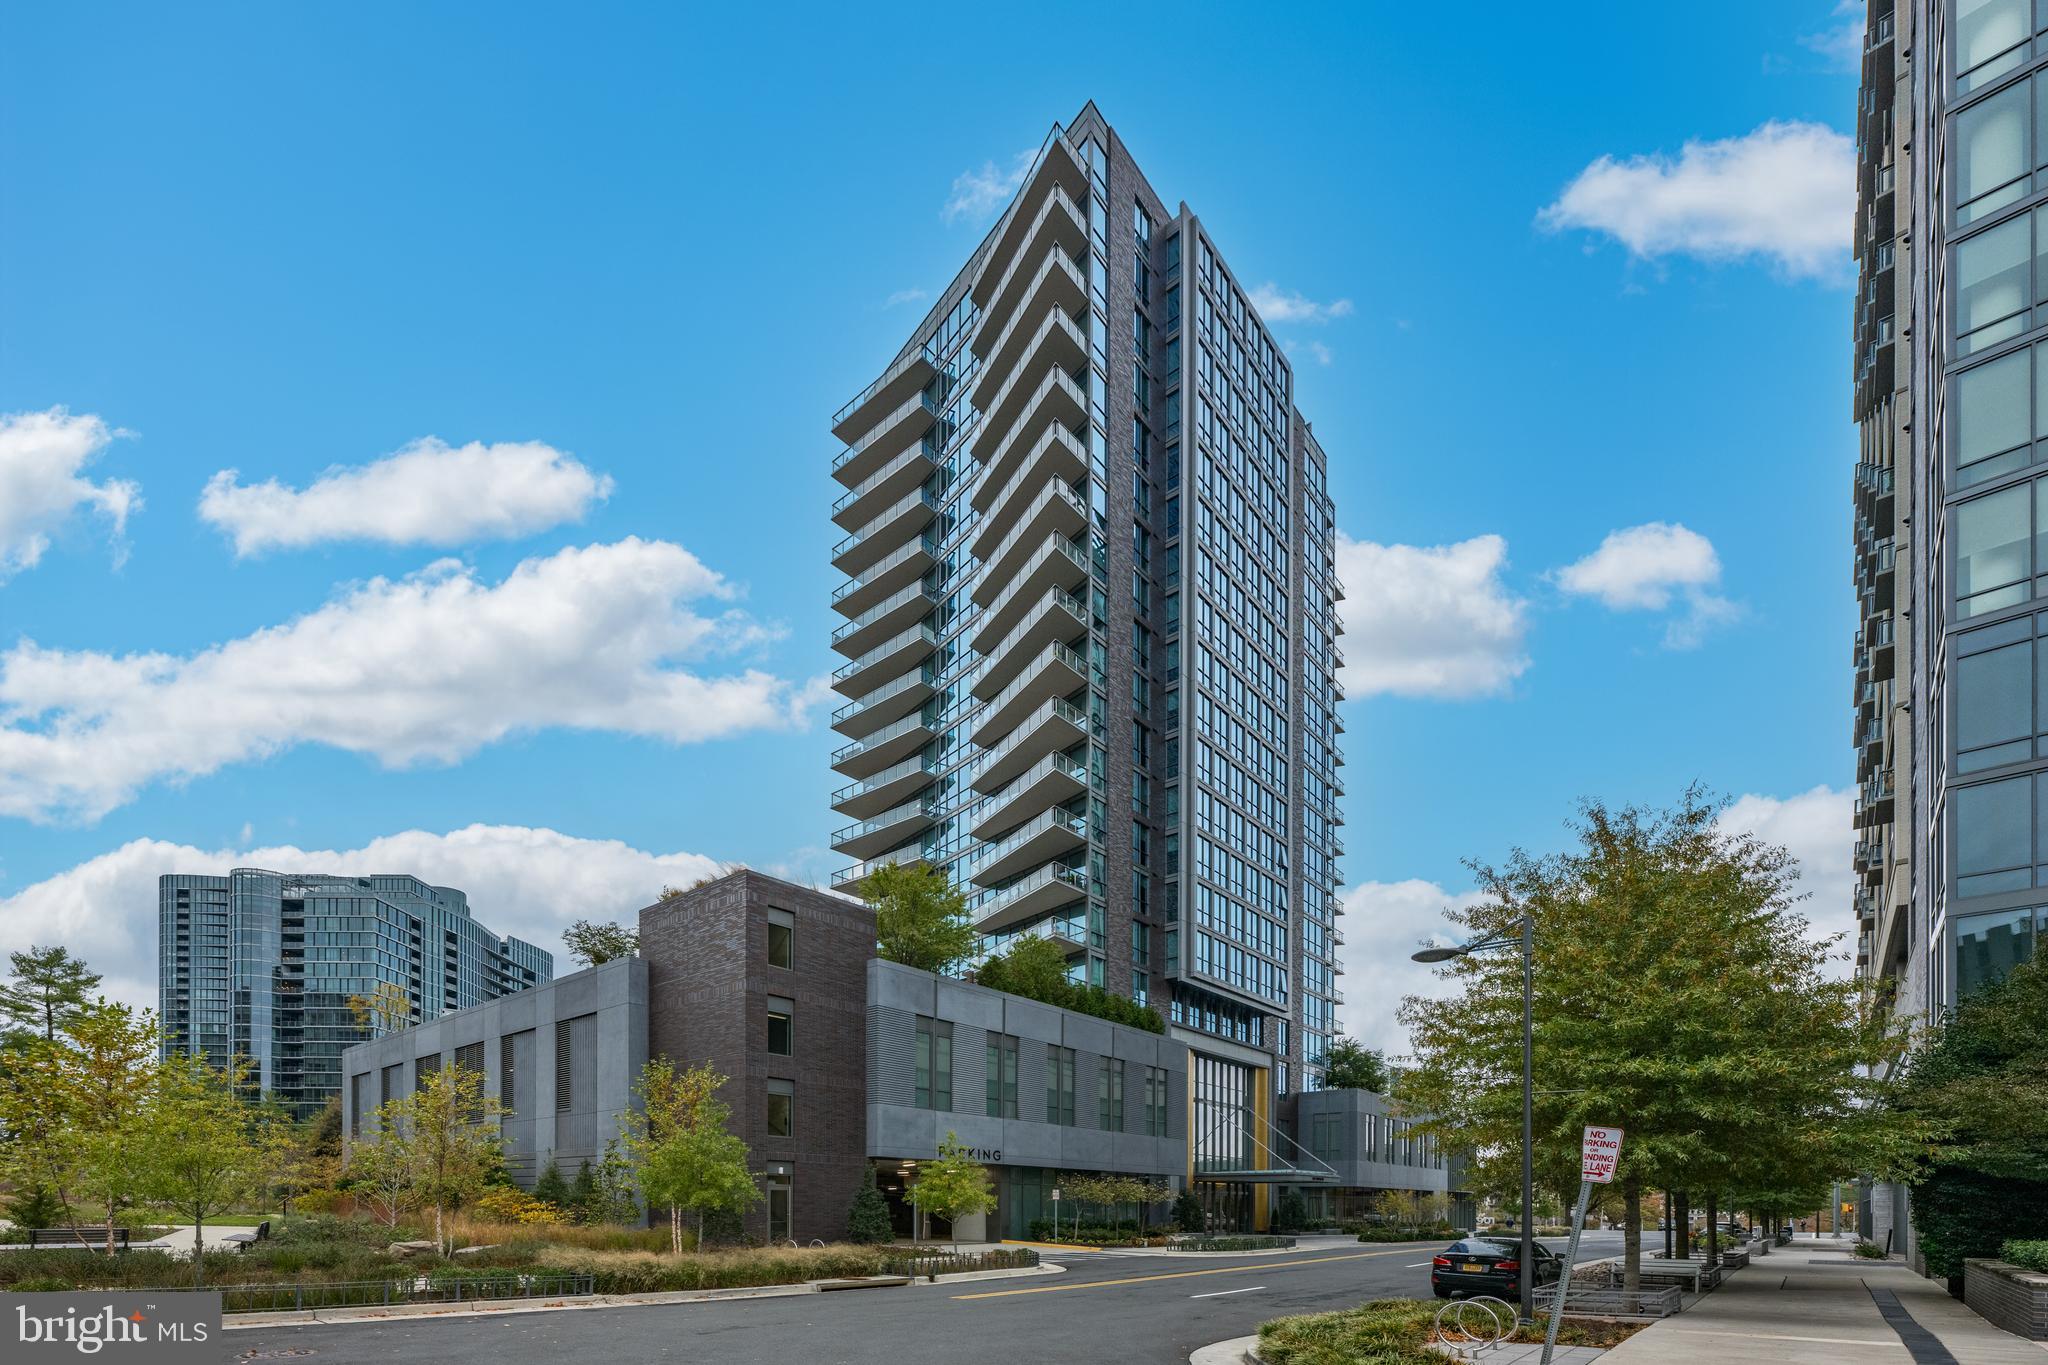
(1527, 942)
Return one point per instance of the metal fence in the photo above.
(934, 1264)
(277, 1298)
(1646, 1302)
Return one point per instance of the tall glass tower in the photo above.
(1091, 634)
(262, 965)
(1951, 504)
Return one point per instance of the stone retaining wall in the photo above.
(2011, 1298)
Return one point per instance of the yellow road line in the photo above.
(1259, 1267)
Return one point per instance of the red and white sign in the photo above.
(1599, 1154)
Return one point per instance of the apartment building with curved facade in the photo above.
(1090, 635)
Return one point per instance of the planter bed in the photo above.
(2008, 1296)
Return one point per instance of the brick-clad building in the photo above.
(766, 982)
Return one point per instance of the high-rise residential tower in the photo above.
(1090, 634)
(262, 965)
(1951, 504)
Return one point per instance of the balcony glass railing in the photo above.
(926, 449)
(1027, 728)
(1046, 823)
(895, 643)
(920, 809)
(1056, 201)
(1056, 546)
(881, 609)
(923, 545)
(895, 772)
(881, 428)
(894, 730)
(879, 523)
(887, 377)
(924, 677)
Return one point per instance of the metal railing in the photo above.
(931, 1265)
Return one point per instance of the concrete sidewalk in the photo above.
(1813, 1303)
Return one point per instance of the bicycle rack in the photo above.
(1470, 1340)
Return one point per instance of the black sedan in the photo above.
(1488, 1265)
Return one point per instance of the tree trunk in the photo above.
(440, 1240)
(675, 1228)
(1681, 1226)
(1669, 1221)
(700, 1229)
(1713, 1232)
(110, 1229)
(1632, 1237)
(198, 1250)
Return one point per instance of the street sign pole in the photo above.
(1599, 1154)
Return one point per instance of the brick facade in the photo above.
(709, 984)
(2008, 1297)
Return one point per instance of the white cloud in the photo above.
(529, 883)
(426, 668)
(1384, 922)
(1318, 352)
(429, 493)
(42, 456)
(1429, 621)
(1814, 827)
(1841, 45)
(1276, 305)
(976, 195)
(1642, 568)
(903, 296)
(1785, 192)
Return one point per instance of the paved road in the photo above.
(1153, 1309)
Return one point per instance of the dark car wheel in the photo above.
(1443, 1293)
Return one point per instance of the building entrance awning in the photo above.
(1271, 1176)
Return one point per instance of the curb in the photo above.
(336, 1317)
(1236, 1351)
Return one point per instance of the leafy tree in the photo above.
(385, 1009)
(1349, 1065)
(383, 1164)
(954, 1185)
(49, 989)
(1292, 1213)
(455, 1146)
(591, 943)
(205, 1149)
(550, 1185)
(1980, 1077)
(581, 1188)
(34, 1206)
(35, 1116)
(921, 918)
(1187, 1212)
(104, 1079)
(686, 1158)
(298, 1156)
(1678, 994)
(1034, 967)
(611, 1198)
(867, 1222)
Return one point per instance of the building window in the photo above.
(1059, 1085)
(1993, 418)
(781, 939)
(1994, 287)
(1990, 39)
(934, 1064)
(1002, 1077)
(423, 1070)
(1992, 152)
(1991, 833)
(1993, 546)
(780, 1033)
(1155, 1101)
(780, 1186)
(1992, 696)
(781, 1107)
(1110, 1095)
(1989, 946)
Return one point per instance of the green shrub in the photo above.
(867, 1222)
(1384, 1332)
(642, 1272)
(34, 1207)
(1252, 1243)
(1870, 1251)
(1187, 1212)
(2026, 1253)
(1291, 1214)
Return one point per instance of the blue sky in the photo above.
(1545, 283)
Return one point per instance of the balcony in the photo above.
(902, 566)
(1057, 563)
(1058, 398)
(1057, 617)
(1058, 670)
(891, 436)
(1052, 781)
(889, 702)
(1055, 727)
(892, 786)
(1058, 171)
(869, 629)
(1054, 510)
(885, 661)
(1051, 834)
(907, 376)
(890, 528)
(891, 744)
(1878, 637)
(848, 878)
(1057, 454)
(862, 503)
(1050, 322)
(1059, 225)
(884, 831)
(1042, 892)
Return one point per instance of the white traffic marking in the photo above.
(1221, 1292)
